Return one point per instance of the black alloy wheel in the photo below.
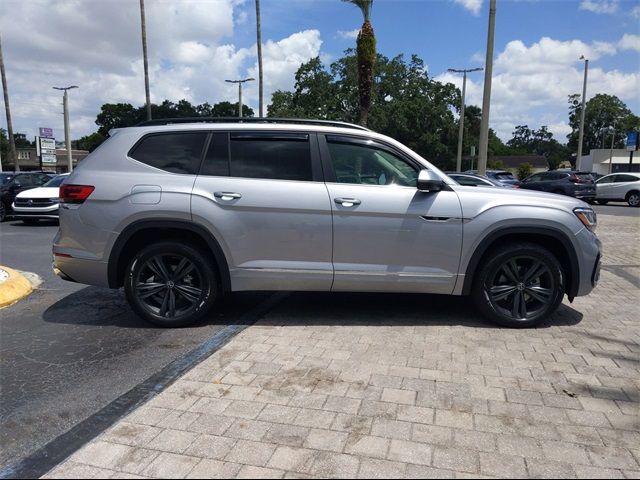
(171, 284)
(520, 286)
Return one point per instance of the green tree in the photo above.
(90, 142)
(524, 170)
(366, 52)
(601, 112)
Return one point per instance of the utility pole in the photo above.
(13, 156)
(143, 27)
(486, 97)
(240, 82)
(259, 43)
(67, 135)
(584, 105)
(461, 130)
(613, 137)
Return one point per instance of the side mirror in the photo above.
(429, 181)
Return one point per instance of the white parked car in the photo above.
(39, 203)
(620, 187)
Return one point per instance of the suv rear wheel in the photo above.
(171, 284)
(519, 286)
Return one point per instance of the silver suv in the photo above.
(182, 212)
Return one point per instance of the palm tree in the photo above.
(366, 52)
(259, 44)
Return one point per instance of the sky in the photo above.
(194, 45)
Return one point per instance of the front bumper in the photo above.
(589, 250)
(51, 211)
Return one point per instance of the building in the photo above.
(28, 160)
(602, 162)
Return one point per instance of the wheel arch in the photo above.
(143, 232)
(555, 240)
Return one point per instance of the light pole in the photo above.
(67, 136)
(613, 137)
(143, 28)
(259, 45)
(486, 97)
(240, 82)
(461, 130)
(584, 103)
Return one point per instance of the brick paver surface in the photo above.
(402, 386)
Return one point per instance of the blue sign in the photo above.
(632, 141)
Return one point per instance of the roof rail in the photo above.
(300, 121)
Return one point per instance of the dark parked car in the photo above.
(14, 183)
(573, 184)
(503, 177)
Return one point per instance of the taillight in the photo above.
(75, 193)
(575, 179)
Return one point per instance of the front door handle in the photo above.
(347, 202)
(227, 196)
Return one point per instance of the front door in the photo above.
(388, 236)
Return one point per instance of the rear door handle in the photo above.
(227, 196)
(347, 202)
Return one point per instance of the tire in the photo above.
(30, 221)
(633, 199)
(499, 289)
(166, 299)
(602, 202)
(3, 212)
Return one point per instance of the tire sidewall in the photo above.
(637, 195)
(488, 271)
(202, 262)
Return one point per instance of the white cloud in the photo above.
(600, 6)
(531, 83)
(635, 13)
(473, 6)
(96, 46)
(630, 42)
(350, 34)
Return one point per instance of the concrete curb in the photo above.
(14, 288)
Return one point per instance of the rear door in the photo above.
(263, 197)
(387, 235)
(623, 184)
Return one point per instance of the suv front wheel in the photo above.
(171, 284)
(519, 286)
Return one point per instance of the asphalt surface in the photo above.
(68, 350)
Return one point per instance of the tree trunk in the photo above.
(259, 44)
(366, 51)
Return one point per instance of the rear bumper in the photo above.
(90, 272)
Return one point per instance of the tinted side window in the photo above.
(216, 162)
(272, 156)
(626, 178)
(172, 152)
(607, 179)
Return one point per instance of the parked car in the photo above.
(620, 187)
(16, 182)
(179, 212)
(39, 203)
(471, 180)
(570, 183)
(503, 177)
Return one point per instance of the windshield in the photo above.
(55, 181)
(5, 178)
(505, 176)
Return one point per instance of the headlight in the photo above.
(587, 216)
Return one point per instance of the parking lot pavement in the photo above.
(402, 386)
(69, 350)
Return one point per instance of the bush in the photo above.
(524, 170)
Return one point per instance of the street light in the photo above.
(240, 82)
(584, 100)
(461, 131)
(67, 137)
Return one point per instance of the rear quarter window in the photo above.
(171, 152)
